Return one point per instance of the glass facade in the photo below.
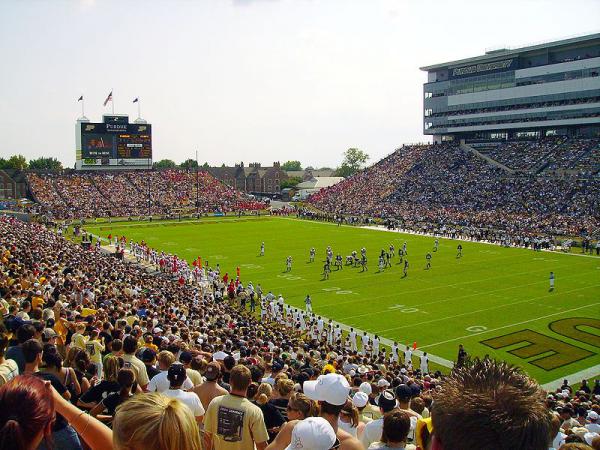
(469, 94)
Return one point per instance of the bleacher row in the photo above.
(445, 184)
(123, 194)
(548, 155)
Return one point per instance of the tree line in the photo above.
(19, 162)
(354, 160)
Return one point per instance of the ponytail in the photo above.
(11, 435)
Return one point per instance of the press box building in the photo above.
(529, 92)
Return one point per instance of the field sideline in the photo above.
(494, 300)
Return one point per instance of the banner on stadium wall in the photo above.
(495, 66)
(218, 214)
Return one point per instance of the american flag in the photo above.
(108, 99)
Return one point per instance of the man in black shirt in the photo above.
(149, 359)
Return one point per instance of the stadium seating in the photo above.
(444, 184)
(122, 194)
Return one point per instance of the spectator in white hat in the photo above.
(313, 433)
(372, 433)
(361, 400)
(593, 426)
(331, 392)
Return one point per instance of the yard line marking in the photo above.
(461, 297)
(482, 310)
(510, 325)
(413, 233)
(573, 378)
(457, 285)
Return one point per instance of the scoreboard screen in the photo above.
(116, 140)
(134, 146)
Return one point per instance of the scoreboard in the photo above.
(116, 141)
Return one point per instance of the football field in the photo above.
(493, 300)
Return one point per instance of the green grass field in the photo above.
(493, 300)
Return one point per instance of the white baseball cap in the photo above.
(593, 415)
(219, 356)
(360, 399)
(366, 388)
(313, 433)
(383, 383)
(331, 388)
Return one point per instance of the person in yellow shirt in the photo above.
(148, 343)
(94, 348)
(37, 301)
(78, 339)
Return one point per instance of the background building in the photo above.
(253, 179)
(531, 92)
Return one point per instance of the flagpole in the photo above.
(82, 107)
(112, 101)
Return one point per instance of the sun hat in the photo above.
(331, 388)
(314, 433)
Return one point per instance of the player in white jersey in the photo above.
(337, 334)
(424, 363)
(376, 346)
(288, 264)
(312, 255)
(308, 303)
(408, 356)
(352, 337)
(263, 310)
(320, 324)
(436, 244)
(394, 354)
(365, 342)
(262, 249)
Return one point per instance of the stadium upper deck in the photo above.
(530, 92)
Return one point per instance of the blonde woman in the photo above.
(348, 419)
(154, 421)
(146, 421)
(281, 395)
(273, 418)
(300, 407)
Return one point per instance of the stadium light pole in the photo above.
(197, 188)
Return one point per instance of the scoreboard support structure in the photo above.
(113, 144)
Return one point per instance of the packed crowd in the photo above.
(135, 193)
(582, 155)
(448, 187)
(98, 353)
(524, 155)
(462, 111)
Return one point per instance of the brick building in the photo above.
(252, 179)
(13, 184)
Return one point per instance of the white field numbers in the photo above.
(404, 309)
(289, 276)
(339, 291)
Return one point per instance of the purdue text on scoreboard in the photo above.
(118, 140)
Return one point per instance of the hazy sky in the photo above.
(249, 80)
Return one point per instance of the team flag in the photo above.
(80, 98)
(135, 100)
(108, 99)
